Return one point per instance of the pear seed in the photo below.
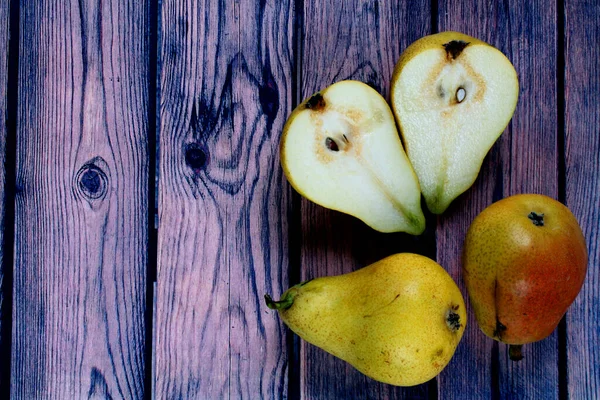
(331, 144)
(461, 93)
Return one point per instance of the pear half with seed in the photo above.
(453, 95)
(340, 149)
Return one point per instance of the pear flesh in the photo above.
(453, 95)
(398, 320)
(341, 150)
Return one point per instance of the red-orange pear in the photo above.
(524, 263)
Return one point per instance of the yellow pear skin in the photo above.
(397, 321)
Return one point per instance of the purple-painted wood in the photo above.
(225, 84)
(4, 37)
(359, 40)
(582, 162)
(524, 160)
(470, 372)
(81, 202)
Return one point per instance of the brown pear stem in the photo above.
(514, 352)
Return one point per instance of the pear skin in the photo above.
(398, 320)
(524, 263)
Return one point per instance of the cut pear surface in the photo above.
(340, 149)
(453, 95)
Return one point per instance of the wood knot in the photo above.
(196, 156)
(98, 386)
(92, 181)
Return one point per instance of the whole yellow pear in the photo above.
(398, 320)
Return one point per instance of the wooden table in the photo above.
(144, 212)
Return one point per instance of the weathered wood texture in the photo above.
(81, 202)
(351, 40)
(524, 160)
(229, 230)
(582, 162)
(223, 207)
(4, 44)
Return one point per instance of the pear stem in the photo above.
(514, 352)
(287, 298)
(283, 304)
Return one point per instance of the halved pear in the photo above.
(340, 149)
(453, 95)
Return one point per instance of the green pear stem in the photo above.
(283, 304)
(286, 300)
(514, 352)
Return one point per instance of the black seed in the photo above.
(331, 144)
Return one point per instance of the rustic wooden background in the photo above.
(143, 212)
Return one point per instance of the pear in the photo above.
(524, 262)
(453, 95)
(340, 149)
(398, 320)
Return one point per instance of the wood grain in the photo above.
(359, 40)
(582, 162)
(226, 78)
(81, 202)
(524, 160)
(4, 45)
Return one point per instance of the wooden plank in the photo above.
(352, 40)
(524, 160)
(473, 364)
(81, 202)
(223, 209)
(4, 50)
(582, 162)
